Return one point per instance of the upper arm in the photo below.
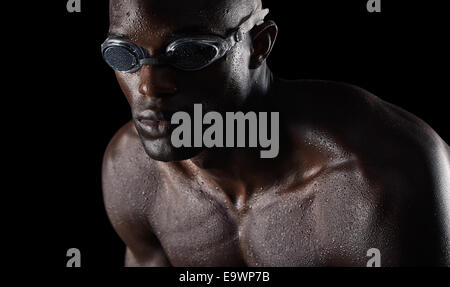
(421, 159)
(426, 238)
(122, 192)
(441, 184)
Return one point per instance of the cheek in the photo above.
(238, 75)
(227, 78)
(129, 83)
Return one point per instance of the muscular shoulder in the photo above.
(124, 148)
(408, 166)
(128, 174)
(125, 157)
(359, 119)
(324, 100)
(404, 162)
(382, 135)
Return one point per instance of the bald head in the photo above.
(218, 16)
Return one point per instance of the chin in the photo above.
(162, 150)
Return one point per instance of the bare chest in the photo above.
(315, 224)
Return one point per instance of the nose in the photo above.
(156, 81)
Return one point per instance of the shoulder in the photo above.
(408, 164)
(412, 164)
(129, 183)
(405, 163)
(123, 154)
(322, 97)
(124, 142)
(129, 176)
(359, 119)
(385, 136)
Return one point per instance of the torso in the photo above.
(329, 213)
(327, 220)
(323, 215)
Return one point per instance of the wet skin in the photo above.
(353, 173)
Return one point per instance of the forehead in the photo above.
(136, 18)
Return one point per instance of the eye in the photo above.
(192, 56)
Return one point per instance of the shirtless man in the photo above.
(353, 172)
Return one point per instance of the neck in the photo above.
(263, 83)
(243, 164)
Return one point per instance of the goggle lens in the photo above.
(120, 58)
(192, 56)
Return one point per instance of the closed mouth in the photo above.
(152, 124)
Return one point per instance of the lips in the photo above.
(152, 124)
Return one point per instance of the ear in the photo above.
(263, 39)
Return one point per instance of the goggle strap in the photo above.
(257, 18)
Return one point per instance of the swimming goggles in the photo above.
(187, 53)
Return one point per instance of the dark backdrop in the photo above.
(398, 55)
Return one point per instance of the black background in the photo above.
(397, 54)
